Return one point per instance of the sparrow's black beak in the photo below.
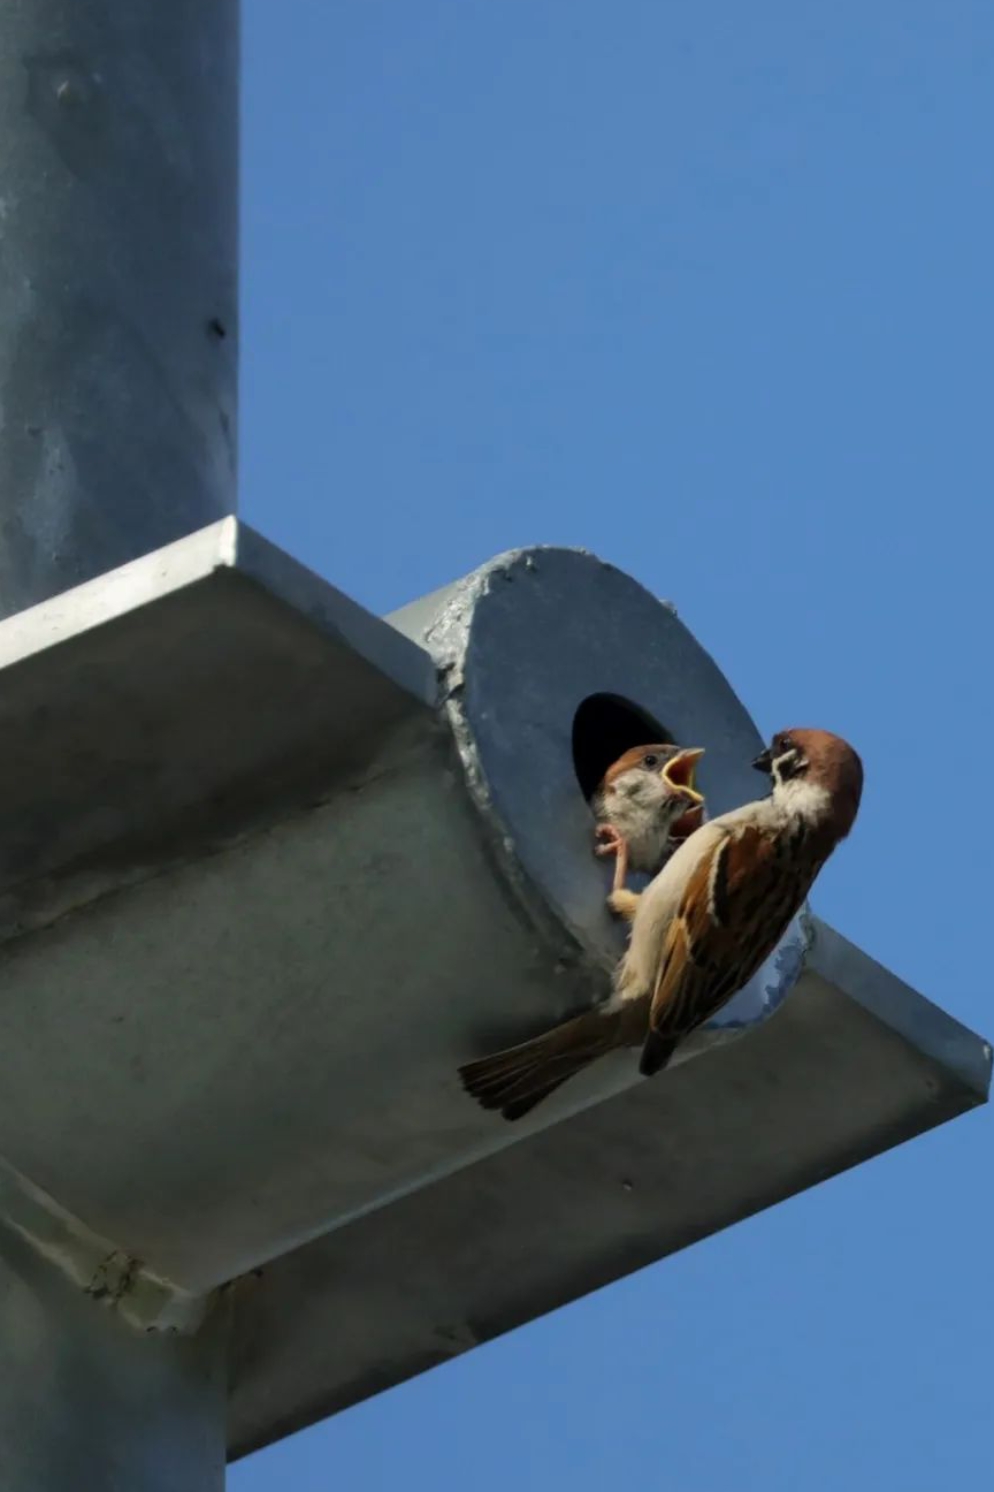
(764, 761)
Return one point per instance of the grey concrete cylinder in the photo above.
(552, 664)
(118, 282)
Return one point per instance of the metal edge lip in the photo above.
(110, 596)
(911, 1015)
(336, 615)
(224, 546)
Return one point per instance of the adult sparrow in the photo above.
(646, 803)
(703, 926)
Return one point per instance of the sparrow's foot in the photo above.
(613, 843)
(624, 903)
(609, 840)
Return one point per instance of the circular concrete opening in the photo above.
(604, 727)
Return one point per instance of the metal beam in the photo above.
(854, 1063)
(272, 866)
(270, 869)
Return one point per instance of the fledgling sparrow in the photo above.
(703, 926)
(646, 803)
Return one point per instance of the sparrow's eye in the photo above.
(651, 760)
(784, 744)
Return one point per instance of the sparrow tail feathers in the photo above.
(518, 1078)
(656, 1052)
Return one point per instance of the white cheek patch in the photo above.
(806, 799)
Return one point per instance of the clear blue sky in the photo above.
(706, 289)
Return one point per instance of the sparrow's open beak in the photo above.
(764, 761)
(681, 772)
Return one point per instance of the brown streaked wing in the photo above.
(737, 904)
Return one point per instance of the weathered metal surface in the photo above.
(269, 870)
(854, 1063)
(118, 283)
(258, 900)
(86, 1402)
(522, 646)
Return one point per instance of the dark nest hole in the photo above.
(604, 727)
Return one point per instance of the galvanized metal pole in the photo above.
(87, 1402)
(118, 361)
(118, 283)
